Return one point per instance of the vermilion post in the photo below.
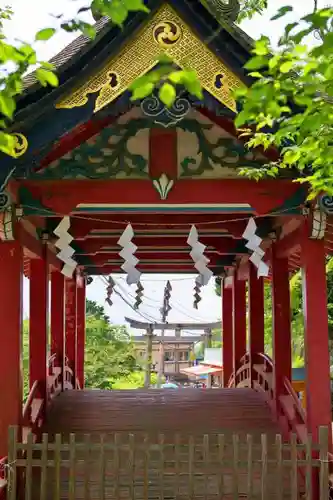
(58, 315)
(256, 314)
(38, 323)
(239, 321)
(318, 393)
(227, 335)
(11, 293)
(70, 324)
(81, 331)
(281, 321)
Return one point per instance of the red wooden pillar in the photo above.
(11, 292)
(81, 331)
(281, 321)
(239, 321)
(38, 322)
(70, 324)
(227, 335)
(318, 393)
(58, 315)
(256, 314)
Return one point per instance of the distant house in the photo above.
(210, 368)
(178, 353)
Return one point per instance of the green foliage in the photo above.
(109, 352)
(134, 380)
(290, 106)
(297, 318)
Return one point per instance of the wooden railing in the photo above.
(58, 379)
(155, 465)
(258, 374)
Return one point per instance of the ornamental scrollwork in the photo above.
(20, 145)
(152, 107)
(224, 152)
(105, 156)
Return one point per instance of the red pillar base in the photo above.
(38, 323)
(70, 324)
(281, 322)
(318, 391)
(239, 321)
(227, 335)
(81, 332)
(256, 315)
(11, 293)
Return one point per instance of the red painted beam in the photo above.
(290, 243)
(74, 138)
(64, 196)
(163, 144)
(35, 247)
(144, 258)
(177, 226)
(222, 246)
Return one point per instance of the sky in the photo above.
(33, 15)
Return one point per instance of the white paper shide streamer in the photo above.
(127, 254)
(63, 244)
(253, 244)
(198, 257)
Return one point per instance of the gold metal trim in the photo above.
(140, 55)
(21, 144)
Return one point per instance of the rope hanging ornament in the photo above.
(166, 308)
(198, 257)
(138, 296)
(197, 294)
(109, 291)
(127, 254)
(253, 243)
(66, 252)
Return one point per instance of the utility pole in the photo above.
(164, 313)
(149, 353)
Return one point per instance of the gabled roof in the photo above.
(84, 55)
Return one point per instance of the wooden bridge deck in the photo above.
(166, 445)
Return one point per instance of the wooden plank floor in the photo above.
(138, 418)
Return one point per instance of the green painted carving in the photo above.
(106, 155)
(226, 152)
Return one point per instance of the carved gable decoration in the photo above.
(164, 33)
(122, 151)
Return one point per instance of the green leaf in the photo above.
(142, 91)
(256, 62)
(282, 12)
(255, 74)
(286, 66)
(7, 143)
(167, 94)
(7, 105)
(118, 12)
(45, 34)
(46, 77)
(136, 5)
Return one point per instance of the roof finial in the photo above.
(224, 10)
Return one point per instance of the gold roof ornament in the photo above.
(165, 33)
